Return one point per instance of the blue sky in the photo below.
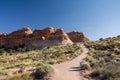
(95, 18)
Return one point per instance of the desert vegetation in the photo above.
(103, 61)
(28, 64)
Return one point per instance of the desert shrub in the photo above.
(116, 50)
(84, 65)
(89, 59)
(43, 71)
(2, 51)
(104, 58)
(3, 72)
(24, 76)
(96, 72)
(10, 51)
(107, 72)
(101, 39)
(117, 59)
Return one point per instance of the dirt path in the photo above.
(70, 70)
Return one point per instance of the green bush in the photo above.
(96, 73)
(43, 71)
(104, 58)
(84, 65)
(2, 51)
(107, 72)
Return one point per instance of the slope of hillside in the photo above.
(69, 70)
(103, 62)
(28, 55)
(38, 61)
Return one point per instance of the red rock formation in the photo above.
(19, 37)
(77, 37)
(63, 36)
(50, 36)
(42, 34)
(3, 40)
(39, 38)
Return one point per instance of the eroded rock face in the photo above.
(49, 36)
(19, 37)
(77, 37)
(3, 39)
(38, 38)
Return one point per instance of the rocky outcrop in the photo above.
(38, 38)
(3, 39)
(77, 37)
(49, 36)
(19, 37)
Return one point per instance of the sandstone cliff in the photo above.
(40, 38)
(49, 36)
(77, 37)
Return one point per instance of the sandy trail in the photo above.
(70, 70)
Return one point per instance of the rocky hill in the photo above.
(77, 37)
(40, 38)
